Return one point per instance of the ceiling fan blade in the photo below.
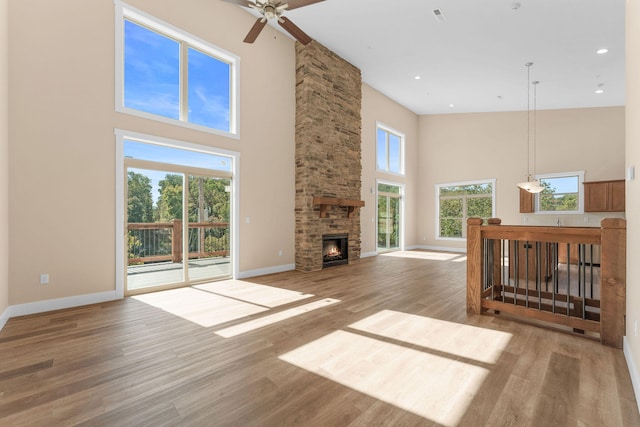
(294, 4)
(294, 30)
(255, 30)
(244, 3)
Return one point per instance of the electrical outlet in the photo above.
(280, 252)
(44, 279)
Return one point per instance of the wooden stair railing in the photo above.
(494, 277)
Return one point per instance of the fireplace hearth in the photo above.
(335, 249)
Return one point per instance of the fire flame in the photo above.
(333, 251)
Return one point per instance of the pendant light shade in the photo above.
(531, 186)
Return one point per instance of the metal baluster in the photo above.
(538, 281)
(568, 279)
(584, 283)
(554, 280)
(547, 250)
(591, 271)
(526, 273)
(484, 264)
(516, 269)
(579, 268)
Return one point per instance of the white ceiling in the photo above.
(475, 60)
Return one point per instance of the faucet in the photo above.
(558, 221)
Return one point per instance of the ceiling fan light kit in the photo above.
(273, 9)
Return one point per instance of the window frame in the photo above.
(125, 12)
(389, 130)
(491, 181)
(580, 210)
(120, 136)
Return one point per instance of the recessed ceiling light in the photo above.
(417, 77)
(600, 91)
(602, 51)
(439, 15)
(451, 105)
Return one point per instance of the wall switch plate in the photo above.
(44, 279)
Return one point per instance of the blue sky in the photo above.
(152, 79)
(564, 185)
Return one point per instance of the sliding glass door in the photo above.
(154, 229)
(389, 216)
(209, 237)
(178, 219)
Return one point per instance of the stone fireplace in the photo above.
(328, 154)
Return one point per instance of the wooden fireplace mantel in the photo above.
(325, 202)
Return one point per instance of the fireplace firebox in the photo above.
(335, 249)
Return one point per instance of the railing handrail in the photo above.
(583, 235)
(159, 225)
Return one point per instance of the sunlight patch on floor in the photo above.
(434, 387)
(434, 256)
(268, 296)
(252, 325)
(471, 342)
(200, 307)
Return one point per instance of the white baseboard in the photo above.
(60, 303)
(265, 271)
(633, 370)
(440, 249)
(368, 254)
(4, 317)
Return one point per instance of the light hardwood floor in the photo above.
(383, 342)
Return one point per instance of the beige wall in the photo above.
(63, 145)
(378, 108)
(467, 147)
(4, 158)
(632, 340)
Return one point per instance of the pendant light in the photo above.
(531, 186)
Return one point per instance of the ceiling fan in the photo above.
(273, 9)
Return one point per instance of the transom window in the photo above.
(389, 150)
(458, 201)
(562, 193)
(166, 74)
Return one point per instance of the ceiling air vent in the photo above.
(439, 14)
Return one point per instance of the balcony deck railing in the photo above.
(569, 276)
(162, 241)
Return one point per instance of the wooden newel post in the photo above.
(176, 241)
(613, 267)
(474, 265)
(496, 281)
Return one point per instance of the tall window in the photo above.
(562, 193)
(389, 150)
(166, 74)
(459, 201)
